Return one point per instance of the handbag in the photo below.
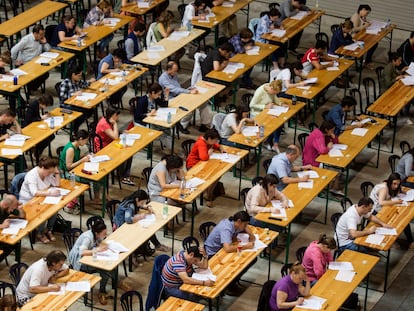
(61, 224)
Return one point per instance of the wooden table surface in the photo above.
(34, 71)
(249, 61)
(325, 79)
(133, 8)
(189, 101)
(170, 47)
(30, 17)
(45, 301)
(355, 144)
(270, 122)
(227, 266)
(37, 212)
(293, 26)
(178, 304)
(118, 155)
(336, 292)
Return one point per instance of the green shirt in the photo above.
(62, 161)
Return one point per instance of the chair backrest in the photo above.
(284, 270)
(379, 71)
(257, 180)
(70, 236)
(57, 89)
(266, 164)
(369, 84)
(187, 145)
(218, 120)
(322, 36)
(3, 289)
(111, 207)
(346, 203)
(312, 126)
(128, 303)
(300, 252)
(274, 5)
(16, 184)
(181, 9)
(91, 221)
(49, 30)
(246, 98)
(205, 229)
(302, 139)
(92, 138)
(404, 146)
(265, 294)
(190, 241)
(355, 93)
(366, 188)
(334, 28)
(146, 172)
(243, 195)
(121, 44)
(155, 288)
(16, 272)
(150, 38)
(196, 75)
(392, 161)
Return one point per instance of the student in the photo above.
(314, 56)
(8, 303)
(133, 45)
(290, 290)
(317, 257)
(406, 50)
(41, 276)
(288, 75)
(342, 36)
(233, 123)
(148, 104)
(217, 59)
(405, 168)
(194, 11)
(67, 30)
(338, 115)
(5, 59)
(178, 270)
(8, 121)
(384, 193)
(391, 72)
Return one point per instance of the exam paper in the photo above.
(375, 239)
(61, 291)
(178, 35)
(62, 191)
(201, 89)
(100, 158)
(278, 33)
(258, 244)
(41, 60)
(227, 4)
(278, 204)
(345, 276)
(225, 157)
(18, 72)
(81, 286)
(408, 196)
(386, 231)
(306, 184)
(58, 121)
(107, 255)
(17, 223)
(311, 80)
(352, 46)
(194, 182)
(313, 303)
(6, 78)
(408, 80)
(410, 69)
(19, 137)
(51, 200)
(250, 130)
(299, 15)
(278, 110)
(49, 55)
(253, 51)
(116, 246)
(310, 173)
(148, 220)
(10, 230)
(359, 131)
(335, 153)
(6, 152)
(11, 142)
(143, 5)
(86, 96)
(91, 166)
(153, 55)
(232, 67)
(204, 275)
(341, 265)
(279, 213)
(156, 48)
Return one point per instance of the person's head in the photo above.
(38, 32)
(166, 17)
(7, 116)
(118, 56)
(69, 21)
(47, 166)
(246, 35)
(326, 243)
(74, 73)
(193, 255)
(105, 6)
(242, 111)
(365, 205)
(45, 100)
(275, 87)
(8, 303)
(347, 26)
(269, 181)
(296, 68)
(240, 220)
(364, 10)
(274, 14)
(292, 153)
(212, 136)
(55, 260)
(9, 203)
(199, 4)
(172, 68)
(394, 184)
(395, 58)
(321, 46)
(5, 59)
(297, 273)
(112, 113)
(327, 128)
(154, 91)
(99, 230)
(348, 103)
(138, 198)
(139, 29)
(173, 163)
(81, 137)
(225, 49)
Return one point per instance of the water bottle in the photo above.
(169, 118)
(123, 140)
(94, 254)
(123, 75)
(72, 179)
(294, 100)
(182, 188)
(261, 131)
(79, 41)
(165, 210)
(52, 123)
(106, 85)
(388, 23)
(15, 80)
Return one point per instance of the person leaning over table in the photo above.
(317, 257)
(289, 291)
(8, 121)
(133, 44)
(217, 59)
(288, 76)
(341, 37)
(66, 31)
(41, 276)
(405, 168)
(233, 123)
(178, 270)
(5, 59)
(9, 206)
(314, 56)
(391, 72)
(348, 227)
(406, 50)
(202, 149)
(339, 114)
(36, 184)
(282, 167)
(224, 236)
(194, 11)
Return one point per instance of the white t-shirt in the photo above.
(33, 183)
(226, 130)
(189, 13)
(375, 196)
(284, 75)
(350, 220)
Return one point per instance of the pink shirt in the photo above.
(100, 130)
(316, 144)
(315, 261)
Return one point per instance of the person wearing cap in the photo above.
(233, 123)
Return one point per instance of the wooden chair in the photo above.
(300, 252)
(128, 303)
(190, 241)
(392, 161)
(366, 188)
(205, 229)
(404, 146)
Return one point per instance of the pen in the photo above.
(326, 306)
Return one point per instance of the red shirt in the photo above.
(100, 130)
(310, 56)
(199, 152)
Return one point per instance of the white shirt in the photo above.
(226, 130)
(374, 195)
(33, 183)
(284, 75)
(188, 14)
(350, 220)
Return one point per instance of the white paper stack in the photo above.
(375, 239)
(225, 157)
(359, 131)
(279, 33)
(231, 67)
(250, 131)
(313, 303)
(86, 96)
(298, 16)
(253, 51)
(306, 184)
(278, 110)
(100, 158)
(310, 173)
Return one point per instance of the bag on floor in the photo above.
(61, 224)
(352, 303)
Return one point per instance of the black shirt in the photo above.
(208, 64)
(32, 113)
(4, 128)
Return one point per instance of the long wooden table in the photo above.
(391, 102)
(337, 292)
(45, 301)
(133, 236)
(189, 101)
(271, 123)
(134, 10)
(178, 304)
(227, 266)
(37, 212)
(398, 217)
(300, 197)
(210, 171)
(355, 145)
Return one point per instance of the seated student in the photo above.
(96, 17)
(318, 256)
(128, 212)
(289, 291)
(313, 56)
(36, 184)
(217, 59)
(288, 75)
(406, 50)
(179, 269)
(87, 244)
(405, 168)
(342, 36)
(8, 303)
(5, 59)
(224, 236)
(338, 115)
(148, 104)
(41, 276)
(349, 222)
(360, 21)
(133, 45)
(282, 167)
(391, 72)
(194, 11)
(233, 123)
(67, 30)
(202, 149)
(8, 121)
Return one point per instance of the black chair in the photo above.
(379, 71)
(146, 172)
(285, 269)
(16, 272)
(111, 207)
(3, 289)
(346, 203)
(121, 44)
(91, 221)
(128, 301)
(274, 5)
(49, 30)
(92, 147)
(265, 295)
(392, 161)
(302, 139)
(355, 93)
(334, 28)
(243, 195)
(257, 180)
(263, 13)
(312, 126)
(322, 36)
(205, 229)
(404, 146)
(187, 145)
(57, 89)
(246, 98)
(366, 188)
(70, 236)
(324, 114)
(300, 252)
(369, 84)
(266, 164)
(181, 10)
(190, 241)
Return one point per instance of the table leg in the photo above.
(270, 261)
(82, 209)
(387, 267)
(173, 130)
(240, 178)
(296, 129)
(210, 305)
(359, 62)
(393, 133)
(173, 233)
(192, 216)
(287, 245)
(346, 182)
(366, 293)
(259, 155)
(216, 35)
(105, 188)
(326, 204)
(18, 251)
(379, 148)
(314, 102)
(115, 288)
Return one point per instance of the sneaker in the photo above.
(163, 248)
(68, 210)
(268, 147)
(409, 122)
(337, 192)
(128, 181)
(103, 299)
(182, 129)
(276, 149)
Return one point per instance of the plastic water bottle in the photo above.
(123, 75)
(123, 140)
(15, 80)
(182, 188)
(165, 210)
(79, 41)
(52, 123)
(169, 118)
(261, 131)
(94, 254)
(388, 23)
(72, 179)
(106, 85)
(294, 100)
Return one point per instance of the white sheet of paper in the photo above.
(194, 182)
(359, 131)
(107, 255)
(19, 137)
(345, 276)
(232, 67)
(255, 50)
(91, 166)
(81, 286)
(143, 5)
(18, 72)
(100, 158)
(116, 246)
(6, 78)
(148, 220)
(408, 80)
(204, 275)
(178, 35)
(156, 48)
(258, 244)
(408, 196)
(279, 33)
(341, 265)
(279, 213)
(225, 157)
(311, 80)
(410, 69)
(313, 303)
(61, 291)
(306, 184)
(310, 173)
(18, 223)
(375, 239)
(340, 146)
(227, 4)
(165, 110)
(201, 90)
(386, 231)
(278, 204)
(299, 15)
(250, 130)
(58, 121)
(332, 68)
(63, 191)
(278, 110)
(304, 87)
(6, 151)
(49, 54)
(352, 46)
(153, 55)
(11, 142)
(51, 200)
(41, 60)
(335, 153)
(10, 230)
(86, 96)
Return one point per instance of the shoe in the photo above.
(268, 147)
(337, 192)
(68, 210)
(293, 51)
(203, 128)
(409, 122)
(103, 299)
(128, 181)
(42, 238)
(209, 203)
(233, 290)
(276, 149)
(182, 129)
(124, 286)
(50, 235)
(411, 246)
(163, 248)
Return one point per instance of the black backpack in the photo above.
(265, 294)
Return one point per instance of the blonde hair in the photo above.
(103, 4)
(296, 268)
(5, 57)
(276, 85)
(348, 24)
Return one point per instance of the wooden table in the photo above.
(227, 266)
(398, 217)
(337, 292)
(37, 213)
(300, 197)
(189, 101)
(119, 156)
(133, 236)
(355, 145)
(325, 79)
(210, 171)
(369, 42)
(271, 123)
(391, 102)
(134, 10)
(294, 26)
(178, 304)
(45, 301)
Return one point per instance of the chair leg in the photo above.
(125, 269)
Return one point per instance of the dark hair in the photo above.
(328, 241)
(46, 99)
(241, 215)
(67, 18)
(226, 46)
(120, 53)
(98, 226)
(81, 134)
(170, 65)
(239, 112)
(37, 28)
(246, 33)
(212, 134)
(320, 44)
(274, 12)
(348, 24)
(139, 27)
(348, 101)
(54, 257)
(364, 7)
(393, 56)
(8, 112)
(73, 70)
(46, 162)
(412, 34)
(390, 179)
(173, 161)
(110, 111)
(366, 201)
(293, 66)
(198, 3)
(195, 250)
(8, 301)
(138, 195)
(269, 179)
(326, 125)
(154, 88)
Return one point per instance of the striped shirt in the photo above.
(172, 267)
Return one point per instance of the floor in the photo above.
(304, 229)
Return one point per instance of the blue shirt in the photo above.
(224, 232)
(172, 83)
(337, 116)
(124, 213)
(280, 167)
(262, 28)
(107, 59)
(61, 27)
